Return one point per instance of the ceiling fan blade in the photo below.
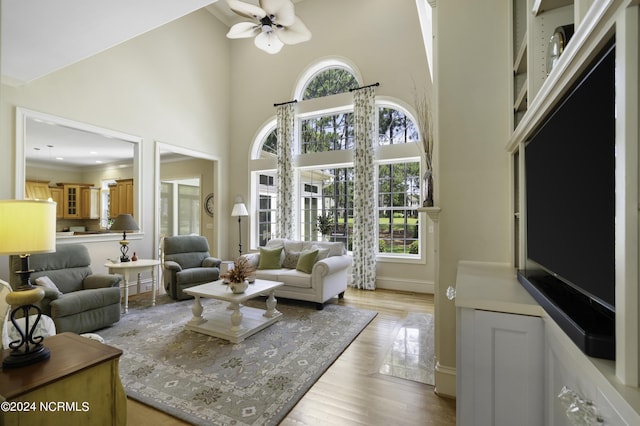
(293, 34)
(247, 10)
(243, 30)
(268, 42)
(283, 11)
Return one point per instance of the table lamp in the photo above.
(124, 223)
(26, 227)
(239, 210)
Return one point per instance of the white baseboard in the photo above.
(415, 286)
(145, 286)
(445, 378)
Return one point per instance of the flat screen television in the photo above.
(570, 210)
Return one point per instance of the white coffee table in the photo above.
(233, 322)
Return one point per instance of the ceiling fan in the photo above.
(275, 24)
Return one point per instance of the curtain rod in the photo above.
(285, 103)
(350, 90)
(364, 87)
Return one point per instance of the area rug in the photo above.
(411, 354)
(206, 380)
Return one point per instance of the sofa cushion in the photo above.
(270, 258)
(290, 259)
(268, 274)
(323, 253)
(197, 275)
(294, 278)
(85, 300)
(336, 248)
(306, 260)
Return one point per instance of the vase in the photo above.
(427, 189)
(239, 287)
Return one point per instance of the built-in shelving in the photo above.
(535, 94)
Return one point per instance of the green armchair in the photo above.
(76, 299)
(187, 263)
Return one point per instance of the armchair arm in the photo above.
(211, 262)
(331, 265)
(101, 281)
(172, 266)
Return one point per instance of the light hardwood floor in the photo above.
(352, 392)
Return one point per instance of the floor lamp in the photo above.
(26, 227)
(239, 210)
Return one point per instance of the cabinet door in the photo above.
(36, 190)
(114, 205)
(90, 203)
(500, 371)
(58, 197)
(72, 201)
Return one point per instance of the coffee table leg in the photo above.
(197, 312)
(236, 317)
(271, 306)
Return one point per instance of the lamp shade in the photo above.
(27, 226)
(239, 209)
(124, 222)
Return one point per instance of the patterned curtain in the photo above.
(364, 197)
(285, 189)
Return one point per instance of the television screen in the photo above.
(570, 186)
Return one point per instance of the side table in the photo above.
(78, 385)
(138, 266)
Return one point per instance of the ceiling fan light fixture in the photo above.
(268, 42)
(276, 24)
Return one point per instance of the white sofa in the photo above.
(328, 277)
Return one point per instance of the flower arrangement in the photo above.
(240, 272)
(324, 224)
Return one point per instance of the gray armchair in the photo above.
(187, 263)
(76, 299)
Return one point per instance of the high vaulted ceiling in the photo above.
(43, 36)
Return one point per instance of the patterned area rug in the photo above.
(206, 380)
(411, 354)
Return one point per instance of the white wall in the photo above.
(169, 85)
(472, 85)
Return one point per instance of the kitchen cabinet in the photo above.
(90, 203)
(57, 196)
(121, 198)
(71, 201)
(37, 190)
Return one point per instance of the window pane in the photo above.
(330, 82)
(395, 127)
(267, 204)
(334, 198)
(166, 208)
(327, 133)
(188, 209)
(270, 145)
(398, 199)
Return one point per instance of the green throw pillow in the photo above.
(306, 260)
(269, 258)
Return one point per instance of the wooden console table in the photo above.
(78, 384)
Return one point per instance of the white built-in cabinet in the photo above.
(500, 360)
(515, 366)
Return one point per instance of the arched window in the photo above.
(324, 169)
(330, 82)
